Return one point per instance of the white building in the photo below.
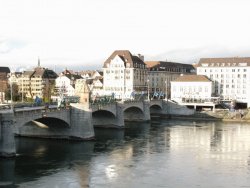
(196, 87)
(124, 73)
(63, 84)
(231, 77)
(96, 86)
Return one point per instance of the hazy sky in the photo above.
(86, 32)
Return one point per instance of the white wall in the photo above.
(63, 81)
(233, 82)
(198, 90)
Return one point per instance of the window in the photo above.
(206, 89)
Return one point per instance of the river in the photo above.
(166, 153)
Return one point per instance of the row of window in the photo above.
(227, 76)
(222, 81)
(190, 89)
(222, 70)
(181, 70)
(230, 92)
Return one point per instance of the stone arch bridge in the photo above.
(76, 122)
(114, 114)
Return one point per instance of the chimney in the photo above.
(141, 57)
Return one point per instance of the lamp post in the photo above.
(11, 91)
(166, 89)
(148, 88)
(22, 87)
(11, 94)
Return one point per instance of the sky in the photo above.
(84, 33)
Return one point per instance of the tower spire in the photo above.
(38, 61)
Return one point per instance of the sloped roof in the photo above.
(5, 70)
(126, 57)
(192, 78)
(39, 71)
(165, 65)
(226, 61)
(50, 74)
(28, 73)
(73, 76)
(151, 64)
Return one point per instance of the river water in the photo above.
(166, 153)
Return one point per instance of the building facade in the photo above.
(4, 72)
(231, 77)
(191, 87)
(124, 74)
(161, 73)
(37, 83)
(65, 83)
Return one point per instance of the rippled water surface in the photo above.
(157, 154)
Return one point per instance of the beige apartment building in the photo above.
(161, 73)
(38, 82)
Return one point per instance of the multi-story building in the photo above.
(191, 87)
(38, 82)
(4, 72)
(161, 73)
(96, 86)
(124, 74)
(14, 76)
(231, 77)
(65, 83)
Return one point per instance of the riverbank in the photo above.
(224, 116)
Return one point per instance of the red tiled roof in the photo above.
(126, 56)
(192, 78)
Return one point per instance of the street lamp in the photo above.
(148, 88)
(11, 94)
(22, 87)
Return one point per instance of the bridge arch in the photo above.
(52, 122)
(103, 112)
(133, 113)
(44, 127)
(155, 109)
(103, 118)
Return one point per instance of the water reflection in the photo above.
(161, 154)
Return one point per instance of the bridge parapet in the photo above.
(111, 107)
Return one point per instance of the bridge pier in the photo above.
(7, 139)
(146, 107)
(119, 115)
(81, 126)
